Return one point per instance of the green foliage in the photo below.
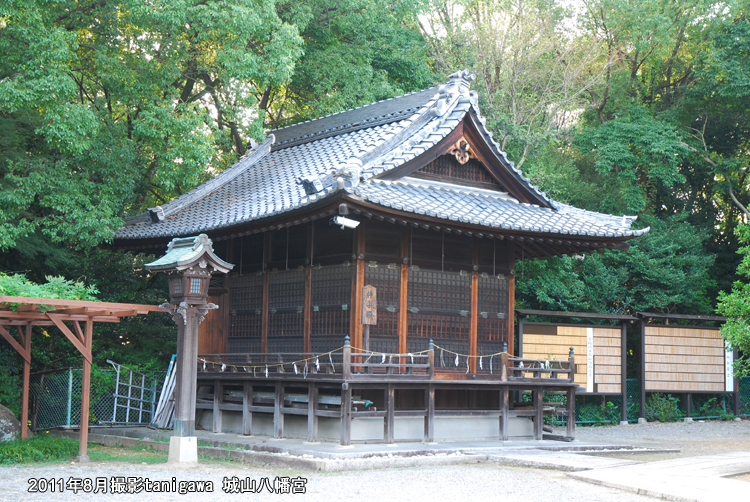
(736, 306)
(42, 448)
(666, 270)
(55, 288)
(664, 408)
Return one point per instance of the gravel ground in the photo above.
(472, 482)
(456, 483)
(692, 439)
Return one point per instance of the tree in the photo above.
(533, 73)
(736, 306)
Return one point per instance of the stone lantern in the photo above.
(189, 263)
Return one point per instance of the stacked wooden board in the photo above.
(684, 359)
(597, 349)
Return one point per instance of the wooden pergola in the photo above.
(75, 319)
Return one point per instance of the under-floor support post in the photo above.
(218, 401)
(505, 409)
(429, 418)
(536, 396)
(312, 407)
(278, 417)
(570, 430)
(389, 414)
(346, 414)
(247, 415)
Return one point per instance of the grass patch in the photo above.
(42, 448)
(122, 454)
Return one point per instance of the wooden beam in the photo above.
(26, 382)
(85, 389)
(79, 331)
(19, 348)
(21, 300)
(62, 327)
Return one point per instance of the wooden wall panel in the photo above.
(214, 328)
(545, 341)
(683, 359)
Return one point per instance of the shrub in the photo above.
(663, 408)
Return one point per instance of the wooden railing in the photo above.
(351, 363)
(277, 364)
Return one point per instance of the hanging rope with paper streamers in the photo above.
(456, 361)
(333, 368)
(266, 371)
(223, 367)
(295, 368)
(442, 361)
(480, 363)
(467, 365)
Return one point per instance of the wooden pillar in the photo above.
(26, 381)
(642, 411)
(511, 296)
(307, 332)
(390, 409)
(360, 283)
(624, 373)
(247, 415)
(429, 418)
(312, 407)
(218, 401)
(473, 321)
(403, 322)
(505, 410)
(570, 430)
(536, 396)
(688, 404)
(346, 414)
(266, 279)
(520, 337)
(278, 416)
(88, 336)
(736, 387)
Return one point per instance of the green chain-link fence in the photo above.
(55, 398)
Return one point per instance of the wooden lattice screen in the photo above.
(598, 352)
(679, 358)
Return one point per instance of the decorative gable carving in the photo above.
(462, 151)
(449, 168)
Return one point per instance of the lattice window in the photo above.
(331, 285)
(386, 277)
(492, 321)
(433, 289)
(447, 166)
(287, 289)
(244, 345)
(245, 302)
(330, 298)
(286, 344)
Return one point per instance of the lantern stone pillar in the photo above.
(188, 264)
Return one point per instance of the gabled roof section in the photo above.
(368, 154)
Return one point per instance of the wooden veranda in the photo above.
(73, 318)
(329, 380)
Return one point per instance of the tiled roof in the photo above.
(495, 211)
(346, 152)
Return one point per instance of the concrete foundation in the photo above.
(371, 429)
(183, 450)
